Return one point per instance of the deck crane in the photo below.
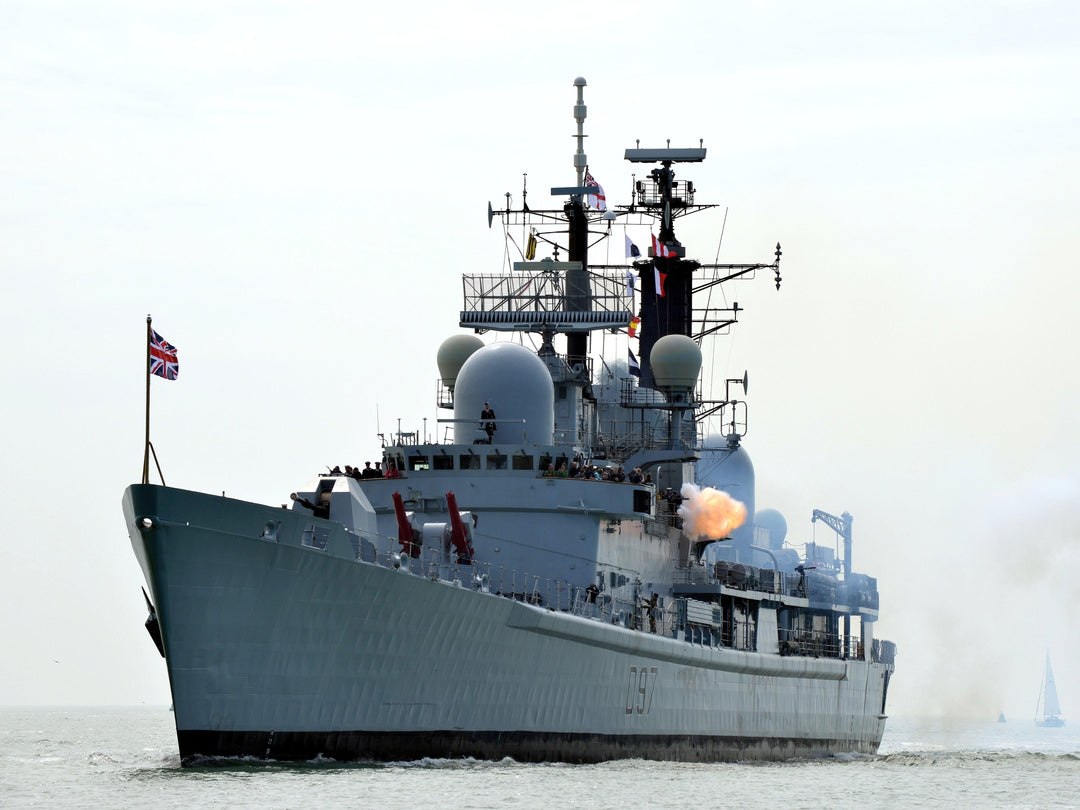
(842, 526)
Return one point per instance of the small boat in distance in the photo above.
(1001, 717)
(1047, 708)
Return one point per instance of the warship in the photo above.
(573, 569)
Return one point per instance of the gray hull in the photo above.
(276, 649)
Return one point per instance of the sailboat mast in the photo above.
(1047, 708)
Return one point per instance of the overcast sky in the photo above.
(293, 190)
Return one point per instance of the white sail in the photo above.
(1051, 707)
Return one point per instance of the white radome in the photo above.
(676, 362)
(453, 352)
(517, 384)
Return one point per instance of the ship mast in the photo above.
(573, 298)
(552, 297)
(578, 292)
(670, 309)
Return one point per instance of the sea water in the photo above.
(115, 758)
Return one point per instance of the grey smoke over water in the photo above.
(975, 620)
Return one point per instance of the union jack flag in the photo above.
(163, 360)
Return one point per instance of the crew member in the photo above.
(650, 608)
(486, 416)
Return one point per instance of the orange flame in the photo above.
(708, 513)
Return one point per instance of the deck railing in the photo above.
(641, 615)
(820, 645)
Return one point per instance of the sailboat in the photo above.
(1047, 709)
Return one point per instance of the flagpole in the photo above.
(146, 446)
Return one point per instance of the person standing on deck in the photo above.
(486, 416)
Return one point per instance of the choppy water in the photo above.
(113, 758)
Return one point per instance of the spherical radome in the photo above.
(775, 523)
(518, 387)
(453, 352)
(675, 361)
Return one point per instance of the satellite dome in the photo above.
(518, 386)
(453, 352)
(775, 524)
(675, 361)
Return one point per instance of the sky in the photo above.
(293, 191)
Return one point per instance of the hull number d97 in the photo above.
(639, 690)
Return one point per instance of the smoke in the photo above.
(707, 513)
(1004, 566)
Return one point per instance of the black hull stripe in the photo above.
(348, 746)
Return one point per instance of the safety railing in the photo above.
(522, 586)
(820, 645)
(659, 617)
(736, 576)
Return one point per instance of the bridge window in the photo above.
(469, 461)
(443, 461)
(419, 463)
(522, 462)
(496, 461)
